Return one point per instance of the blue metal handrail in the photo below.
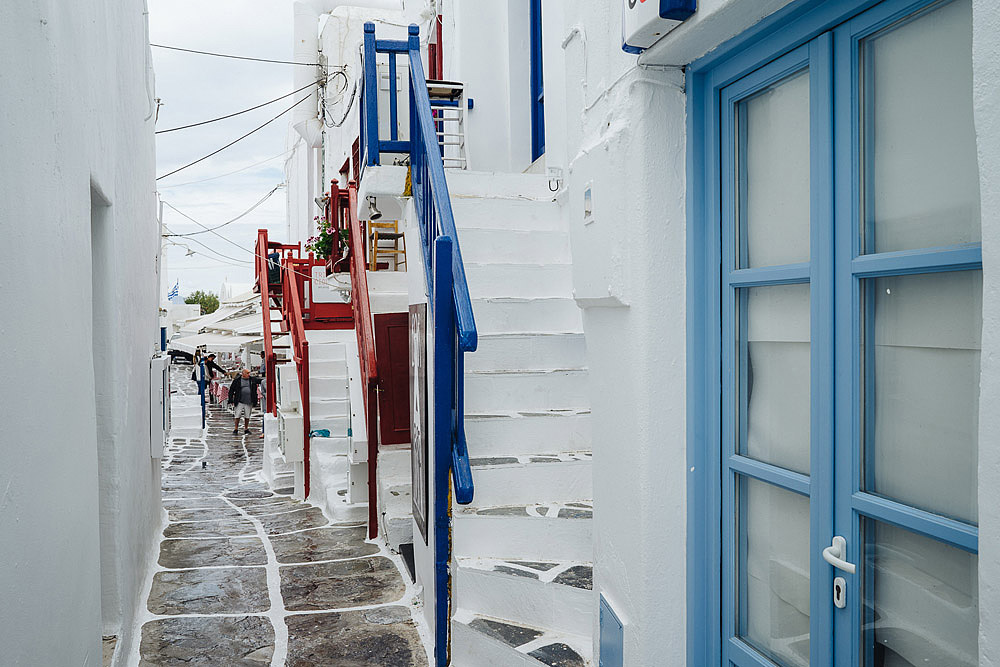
(454, 323)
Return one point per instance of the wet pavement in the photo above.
(250, 576)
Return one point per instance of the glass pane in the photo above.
(921, 601)
(774, 375)
(774, 571)
(774, 174)
(922, 177)
(923, 390)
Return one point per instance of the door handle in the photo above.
(834, 555)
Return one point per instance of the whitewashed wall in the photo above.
(77, 90)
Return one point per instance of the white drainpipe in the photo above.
(305, 118)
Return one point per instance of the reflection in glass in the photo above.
(922, 416)
(921, 170)
(921, 601)
(774, 573)
(774, 369)
(773, 182)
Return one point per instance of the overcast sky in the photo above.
(193, 88)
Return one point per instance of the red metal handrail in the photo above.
(364, 329)
(264, 286)
(292, 307)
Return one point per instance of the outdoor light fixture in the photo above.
(374, 213)
(321, 202)
(189, 252)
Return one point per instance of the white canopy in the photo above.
(212, 342)
(210, 319)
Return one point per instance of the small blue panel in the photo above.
(677, 10)
(612, 649)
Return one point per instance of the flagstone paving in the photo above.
(247, 575)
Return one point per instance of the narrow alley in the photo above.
(250, 577)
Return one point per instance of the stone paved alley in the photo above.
(247, 576)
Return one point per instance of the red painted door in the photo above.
(392, 355)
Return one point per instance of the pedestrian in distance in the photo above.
(243, 398)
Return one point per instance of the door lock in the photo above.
(839, 592)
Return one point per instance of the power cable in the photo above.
(226, 55)
(232, 115)
(235, 141)
(213, 178)
(228, 222)
(234, 259)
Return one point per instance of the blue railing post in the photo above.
(371, 96)
(201, 389)
(444, 402)
(393, 102)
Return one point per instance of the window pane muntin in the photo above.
(916, 100)
(772, 147)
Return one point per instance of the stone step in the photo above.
(528, 351)
(509, 214)
(515, 246)
(326, 367)
(525, 480)
(559, 599)
(333, 407)
(337, 426)
(525, 433)
(498, 185)
(525, 390)
(480, 640)
(558, 531)
(506, 314)
(330, 446)
(519, 280)
(324, 388)
(395, 498)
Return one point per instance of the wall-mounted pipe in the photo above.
(305, 117)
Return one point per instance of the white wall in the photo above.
(72, 124)
(986, 97)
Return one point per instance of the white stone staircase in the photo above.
(522, 550)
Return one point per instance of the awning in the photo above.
(210, 319)
(211, 342)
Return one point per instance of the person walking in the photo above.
(243, 398)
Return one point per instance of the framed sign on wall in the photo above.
(418, 414)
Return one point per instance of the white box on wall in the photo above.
(644, 22)
(159, 404)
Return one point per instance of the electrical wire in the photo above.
(232, 115)
(235, 141)
(240, 262)
(207, 229)
(228, 222)
(242, 169)
(226, 55)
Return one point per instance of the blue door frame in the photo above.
(537, 82)
(823, 36)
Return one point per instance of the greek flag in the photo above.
(172, 294)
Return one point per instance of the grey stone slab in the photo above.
(194, 503)
(177, 554)
(493, 461)
(508, 633)
(215, 528)
(286, 491)
(235, 590)
(578, 576)
(203, 514)
(509, 510)
(348, 583)
(535, 565)
(558, 655)
(249, 493)
(310, 517)
(322, 544)
(382, 637)
(274, 507)
(567, 513)
(246, 640)
(503, 569)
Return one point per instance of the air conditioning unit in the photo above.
(287, 384)
(159, 404)
(290, 436)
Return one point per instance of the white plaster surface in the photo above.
(78, 510)
(986, 109)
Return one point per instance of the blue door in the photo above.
(841, 179)
(537, 82)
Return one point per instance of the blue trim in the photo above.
(389, 146)
(537, 81)
(944, 529)
(369, 127)
(444, 387)
(634, 50)
(931, 260)
(201, 390)
(392, 45)
(677, 10)
(766, 472)
(393, 99)
(787, 274)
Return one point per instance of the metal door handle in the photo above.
(834, 555)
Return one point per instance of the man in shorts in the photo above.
(243, 398)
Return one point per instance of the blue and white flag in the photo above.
(174, 291)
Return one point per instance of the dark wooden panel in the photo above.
(392, 355)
